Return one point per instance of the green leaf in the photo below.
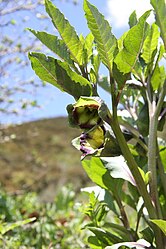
(118, 229)
(54, 44)
(148, 234)
(88, 45)
(158, 77)
(119, 77)
(67, 32)
(133, 19)
(161, 224)
(102, 195)
(92, 76)
(96, 64)
(121, 41)
(133, 42)
(160, 15)
(4, 228)
(96, 171)
(150, 43)
(104, 236)
(101, 30)
(95, 243)
(118, 168)
(99, 174)
(60, 75)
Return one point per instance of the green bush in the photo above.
(27, 223)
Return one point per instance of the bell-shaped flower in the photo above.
(84, 113)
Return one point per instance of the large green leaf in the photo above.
(150, 43)
(133, 42)
(100, 175)
(60, 75)
(161, 224)
(160, 14)
(101, 30)
(54, 44)
(96, 171)
(67, 32)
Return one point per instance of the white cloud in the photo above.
(118, 11)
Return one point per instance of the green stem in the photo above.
(133, 167)
(152, 162)
(154, 112)
(114, 123)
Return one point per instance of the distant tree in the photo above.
(17, 87)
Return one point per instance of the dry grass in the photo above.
(39, 156)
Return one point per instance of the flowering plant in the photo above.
(124, 155)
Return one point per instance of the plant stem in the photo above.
(123, 217)
(114, 123)
(133, 167)
(152, 162)
(154, 112)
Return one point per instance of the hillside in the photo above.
(39, 156)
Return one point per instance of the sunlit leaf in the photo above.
(96, 171)
(158, 77)
(160, 15)
(95, 243)
(121, 41)
(119, 77)
(101, 30)
(59, 74)
(54, 44)
(133, 42)
(66, 31)
(96, 64)
(161, 224)
(150, 43)
(88, 45)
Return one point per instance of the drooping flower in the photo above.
(84, 113)
(97, 138)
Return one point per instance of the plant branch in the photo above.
(132, 166)
(154, 112)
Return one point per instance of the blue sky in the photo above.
(53, 102)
